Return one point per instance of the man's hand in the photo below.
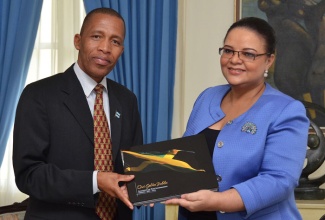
(108, 182)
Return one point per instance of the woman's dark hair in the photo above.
(261, 27)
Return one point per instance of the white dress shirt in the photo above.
(88, 85)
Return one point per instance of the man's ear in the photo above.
(76, 40)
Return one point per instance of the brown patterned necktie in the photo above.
(106, 206)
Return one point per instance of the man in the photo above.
(53, 153)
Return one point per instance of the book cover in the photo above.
(167, 169)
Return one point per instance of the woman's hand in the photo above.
(206, 200)
(197, 201)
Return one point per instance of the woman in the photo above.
(257, 135)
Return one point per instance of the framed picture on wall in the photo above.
(299, 69)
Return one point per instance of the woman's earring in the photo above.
(266, 73)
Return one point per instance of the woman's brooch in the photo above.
(249, 127)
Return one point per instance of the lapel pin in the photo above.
(117, 114)
(249, 127)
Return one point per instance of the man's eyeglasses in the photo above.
(244, 56)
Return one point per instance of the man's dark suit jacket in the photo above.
(53, 154)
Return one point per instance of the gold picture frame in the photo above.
(237, 13)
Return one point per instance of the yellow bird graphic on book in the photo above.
(163, 158)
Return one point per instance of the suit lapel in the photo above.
(115, 118)
(77, 103)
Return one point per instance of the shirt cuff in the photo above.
(95, 185)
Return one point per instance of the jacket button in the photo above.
(220, 144)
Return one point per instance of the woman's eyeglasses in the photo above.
(244, 56)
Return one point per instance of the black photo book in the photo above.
(167, 169)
